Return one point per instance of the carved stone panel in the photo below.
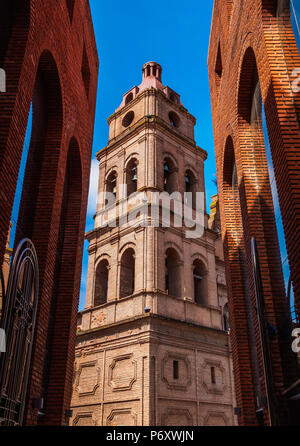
(216, 419)
(183, 377)
(218, 384)
(122, 417)
(177, 417)
(88, 378)
(122, 372)
(84, 419)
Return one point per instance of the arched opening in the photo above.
(132, 176)
(174, 119)
(170, 176)
(226, 321)
(200, 283)
(129, 98)
(239, 300)
(191, 189)
(44, 151)
(173, 97)
(101, 283)
(172, 273)
(259, 130)
(259, 222)
(218, 68)
(127, 273)
(66, 278)
(111, 184)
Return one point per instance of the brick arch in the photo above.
(169, 155)
(280, 37)
(62, 324)
(131, 175)
(113, 169)
(258, 221)
(45, 146)
(102, 257)
(125, 247)
(135, 155)
(201, 257)
(173, 267)
(101, 281)
(188, 167)
(200, 279)
(127, 272)
(246, 85)
(243, 347)
(42, 206)
(175, 246)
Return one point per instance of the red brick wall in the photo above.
(46, 63)
(250, 41)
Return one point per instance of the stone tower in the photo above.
(152, 341)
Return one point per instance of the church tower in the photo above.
(152, 341)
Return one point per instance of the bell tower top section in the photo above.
(153, 101)
(152, 69)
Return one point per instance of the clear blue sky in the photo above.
(172, 33)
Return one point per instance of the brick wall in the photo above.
(50, 59)
(247, 43)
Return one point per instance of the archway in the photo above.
(101, 283)
(200, 283)
(170, 176)
(132, 176)
(172, 273)
(127, 273)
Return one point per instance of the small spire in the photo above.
(152, 69)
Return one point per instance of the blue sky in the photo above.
(174, 34)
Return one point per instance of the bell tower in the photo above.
(152, 341)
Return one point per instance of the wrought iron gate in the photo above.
(18, 322)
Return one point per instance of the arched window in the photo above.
(129, 98)
(101, 283)
(190, 188)
(226, 323)
(111, 184)
(132, 176)
(170, 176)
(200, 282)
(172, 273)
(127, 275)
(174, 119)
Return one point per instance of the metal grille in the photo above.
(18, 322)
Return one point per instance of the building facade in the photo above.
(152, 344)
(49, 57)
(253, 64)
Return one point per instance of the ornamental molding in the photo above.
(178, 384)
(81, 367)
(116, 412)
(215, 415)
(82, 415)
(127, 380)
(174, 411)
(218, 388)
